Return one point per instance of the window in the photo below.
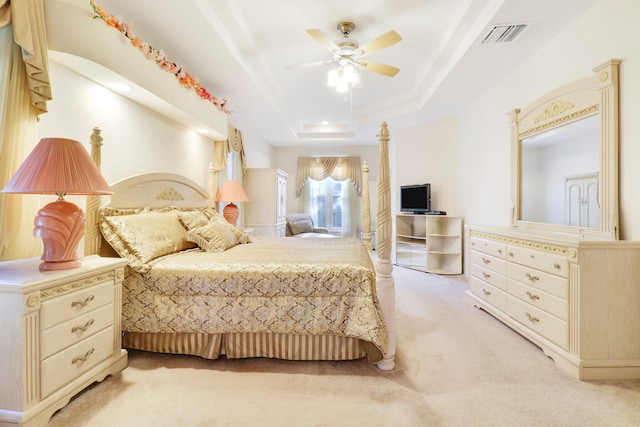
(327, 203)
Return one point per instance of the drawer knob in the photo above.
(500, 251)
(86, 301)
(532, 278)
(556, 266)
(486, 292)
(82, 328)
(486, 261)
(83, 358)
(511, 254)
(531, 318)
(534, 297)
(486, 275)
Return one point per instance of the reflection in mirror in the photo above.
(560, 172)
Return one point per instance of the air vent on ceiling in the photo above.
(505, 33)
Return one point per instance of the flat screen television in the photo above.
(415, 199)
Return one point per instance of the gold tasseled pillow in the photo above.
(212, 237)
(146, 236)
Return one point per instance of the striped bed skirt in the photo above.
(244, 345)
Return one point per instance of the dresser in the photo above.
(579, 301)
(266, 210)
(60, 331)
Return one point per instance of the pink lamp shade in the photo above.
(59, 166)
(231, 191)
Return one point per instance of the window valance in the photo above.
(338, 168)
(222, 148)
(29, 32)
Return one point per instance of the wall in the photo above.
(427, 153)
(607, 30)
(136, 139)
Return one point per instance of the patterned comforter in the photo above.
(273, 285)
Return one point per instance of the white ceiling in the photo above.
(242, 49)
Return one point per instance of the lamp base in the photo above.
(61, 226)
(231, 213)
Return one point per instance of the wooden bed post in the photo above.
(366, 207)
(92, 236)
(385, 284)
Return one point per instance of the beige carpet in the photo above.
(456, 366)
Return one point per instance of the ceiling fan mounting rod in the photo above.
(346, 27)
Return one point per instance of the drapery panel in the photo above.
(338, 168)
(17, 139)
(24, 91)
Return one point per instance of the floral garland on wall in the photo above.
(157, 55)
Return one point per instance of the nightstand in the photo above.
(60, 331)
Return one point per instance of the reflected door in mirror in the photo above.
(582, 209)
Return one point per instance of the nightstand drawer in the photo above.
(69, 364)
(67, 306)
(74, 330)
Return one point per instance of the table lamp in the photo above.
(59, 166)
(231, 191)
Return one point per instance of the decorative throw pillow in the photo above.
(301, 225)
(193, 219)
(146, 236)
(212, 237)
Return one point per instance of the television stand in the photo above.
(430, 243)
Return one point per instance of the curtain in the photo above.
(350, 211)
(17, 139)
(230, 149)
(24, 91)
(338, 168)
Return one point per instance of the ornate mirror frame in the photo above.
(572, 102)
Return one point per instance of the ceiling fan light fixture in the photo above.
(333, 78)
(348, 73)
(342, 86)
(357, 80)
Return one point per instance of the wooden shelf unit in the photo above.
(431, 243)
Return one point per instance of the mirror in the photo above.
(565, 159)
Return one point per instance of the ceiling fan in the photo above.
(347, 51)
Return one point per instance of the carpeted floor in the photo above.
(455, 366)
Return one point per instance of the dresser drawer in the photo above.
(543, 300)
(558, 286)
(67, 365)
(70, 332)
(489, 276)
(65, 307)
(489, 262)
(488, 293)
(539, 321)
(489, 247)
(551, 263)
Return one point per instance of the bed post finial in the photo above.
(92, 238)
(384, 268)
(366, 207)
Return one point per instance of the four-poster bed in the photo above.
(275, 297)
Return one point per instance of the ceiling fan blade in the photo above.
(379, 43)
(383, 69)
(310, 64)
(324, 40)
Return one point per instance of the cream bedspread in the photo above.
(273, 285)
